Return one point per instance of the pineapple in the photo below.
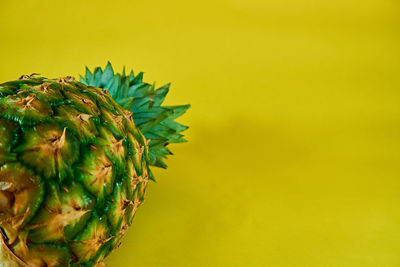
(74, 163)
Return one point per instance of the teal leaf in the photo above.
(155, 121)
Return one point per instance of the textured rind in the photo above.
(155, 121)
(46, 227)
(7, 257)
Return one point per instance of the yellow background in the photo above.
(294, 151)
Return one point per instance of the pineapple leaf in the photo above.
(155, 121)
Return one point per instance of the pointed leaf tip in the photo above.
(153, 120)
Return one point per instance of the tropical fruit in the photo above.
(75, 160)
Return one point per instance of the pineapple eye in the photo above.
(44, 87)
(28, 77)
(27, 101)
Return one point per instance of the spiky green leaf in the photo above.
(155, 121)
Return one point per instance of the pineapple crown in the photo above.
(156, 122)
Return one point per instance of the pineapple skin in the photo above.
(73, 171)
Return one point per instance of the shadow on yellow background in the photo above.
(294, 150)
